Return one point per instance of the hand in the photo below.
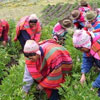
(4, 43)
(83, 79)
(15, 39)
(92, 89)
(25, 95)
(39, 87)
(88, 25)
(0, 35)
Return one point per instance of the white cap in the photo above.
(31, 47)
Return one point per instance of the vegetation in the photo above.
(12, 69)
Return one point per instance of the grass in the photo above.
(16, 10)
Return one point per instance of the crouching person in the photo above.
(90, 45)
(4, 29)
(28, 28)
(61, 29)
(47, 63)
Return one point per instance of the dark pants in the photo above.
(1, 38)
(23, 37)
(99, 92)
(54, 95)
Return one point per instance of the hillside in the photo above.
(15, 9)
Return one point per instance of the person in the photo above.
(89, 44)
(78, 19)
(93, 20)
(47, 63)
(4, 29)
(28, 28)
(98, 11)
(84, 6)
(60, 30)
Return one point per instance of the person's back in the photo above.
(78, 19)
(60, 30)
(53, 63)
(84, 6)
(53, 54)
(28, 28)
(90, 45)
(84, 10)
(93, 22)
(4, 29)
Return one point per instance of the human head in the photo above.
(75, 14)
(91, 16)
(31, 49)
(60, 36)
(33, 20)
(81, 39)
(83, 3)
(66, 23)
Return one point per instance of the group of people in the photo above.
(86, 38)
(48, 62)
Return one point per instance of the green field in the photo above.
(12, 60)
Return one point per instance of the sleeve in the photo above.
(76, 25)
(38, 33)
(60, 66)
(36, 75)
(75, 22)
(96, 83)
(96, 26)
(89, 7)
(28, 79)
(85, 28)
(87, 63)
(6, 30)
(1, 29)
(96, 30)
(37, 36)
(17, 30)
(56, 77)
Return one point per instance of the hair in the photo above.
(29, 54)
(33, 21)
(86, 5)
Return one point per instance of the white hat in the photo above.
(33, 16)
(81, 39)
(31, 47)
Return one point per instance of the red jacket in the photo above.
(34, 32)
(4, 28)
